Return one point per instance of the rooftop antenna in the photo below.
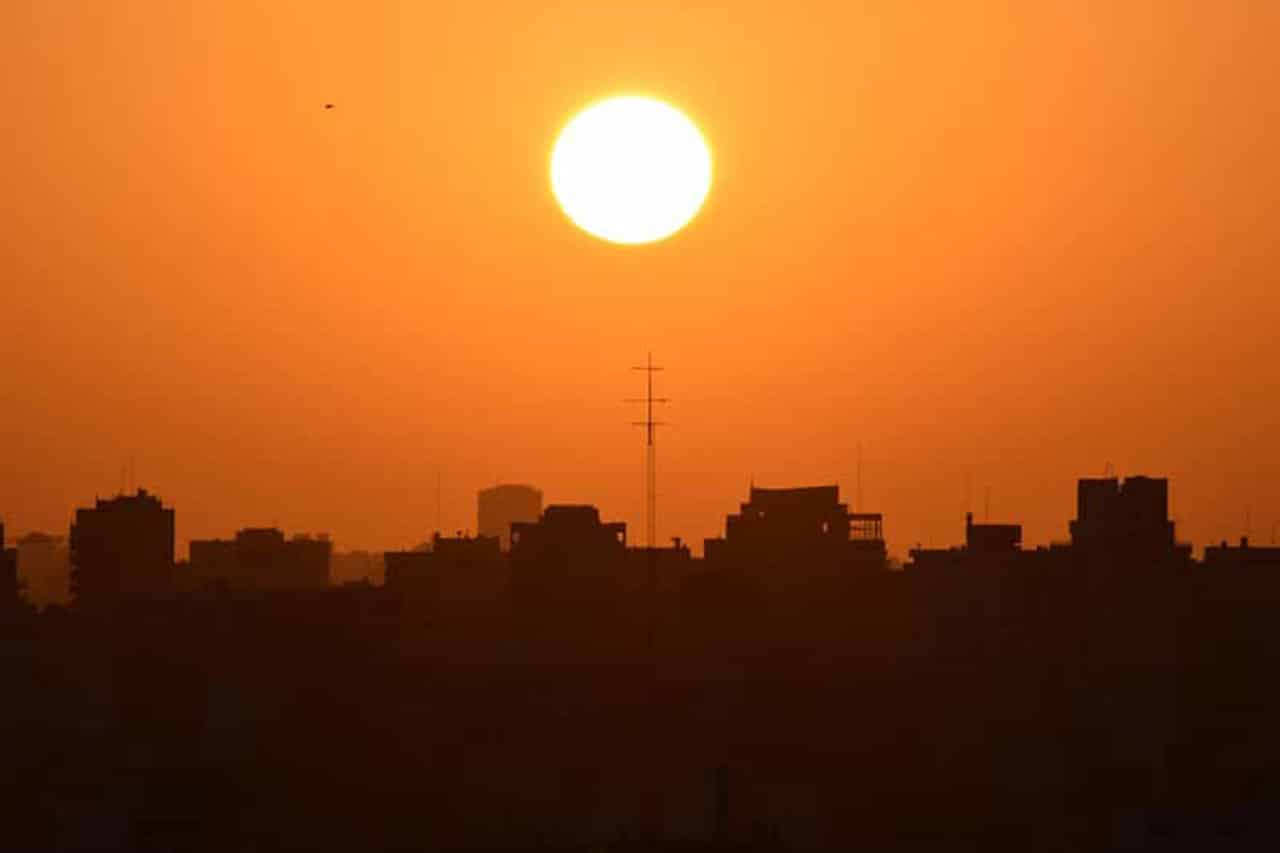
(439, 527)
(968, 492)
(651, 464)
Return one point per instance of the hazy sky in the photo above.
(1012, 242)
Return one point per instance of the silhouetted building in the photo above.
(569, 532)
(44, 565)
(501, 506)
(787, 566)
(355, 566)
(1244, 556)
(9, 587)
(450, 559)
(991, 538)
(985, 545)
(804, 523)
(407, 569)
(669, 565)
(211, 561)
(460, 587)
(568, 576)
(122, 550)
(658, 578)
(1128, 519)
(261, 559)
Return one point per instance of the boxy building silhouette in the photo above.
(261, 559)
(122, 550)
(985, 546)
(460, 587)
(44, 565)
(787, 565)
(451, 560)
(1125, 520)
(810, 524)
(9, 588)
(501, 506)
(568, 580)
(1244, 557)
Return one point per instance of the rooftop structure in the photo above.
(780, 524)
(261, 558)
(122, 550)
(503, 505)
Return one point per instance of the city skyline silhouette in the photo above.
(303, 560)
(1259, 528)
(585, 690)
(580, 427)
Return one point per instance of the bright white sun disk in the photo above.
(630, 170)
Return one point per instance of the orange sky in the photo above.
(1007, 241)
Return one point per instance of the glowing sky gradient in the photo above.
(1002, 242)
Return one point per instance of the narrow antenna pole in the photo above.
(651, 463)
(439, 526)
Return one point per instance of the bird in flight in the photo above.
(328, 106)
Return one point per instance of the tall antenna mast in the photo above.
(651, 463)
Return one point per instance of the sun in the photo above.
(630, 169)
